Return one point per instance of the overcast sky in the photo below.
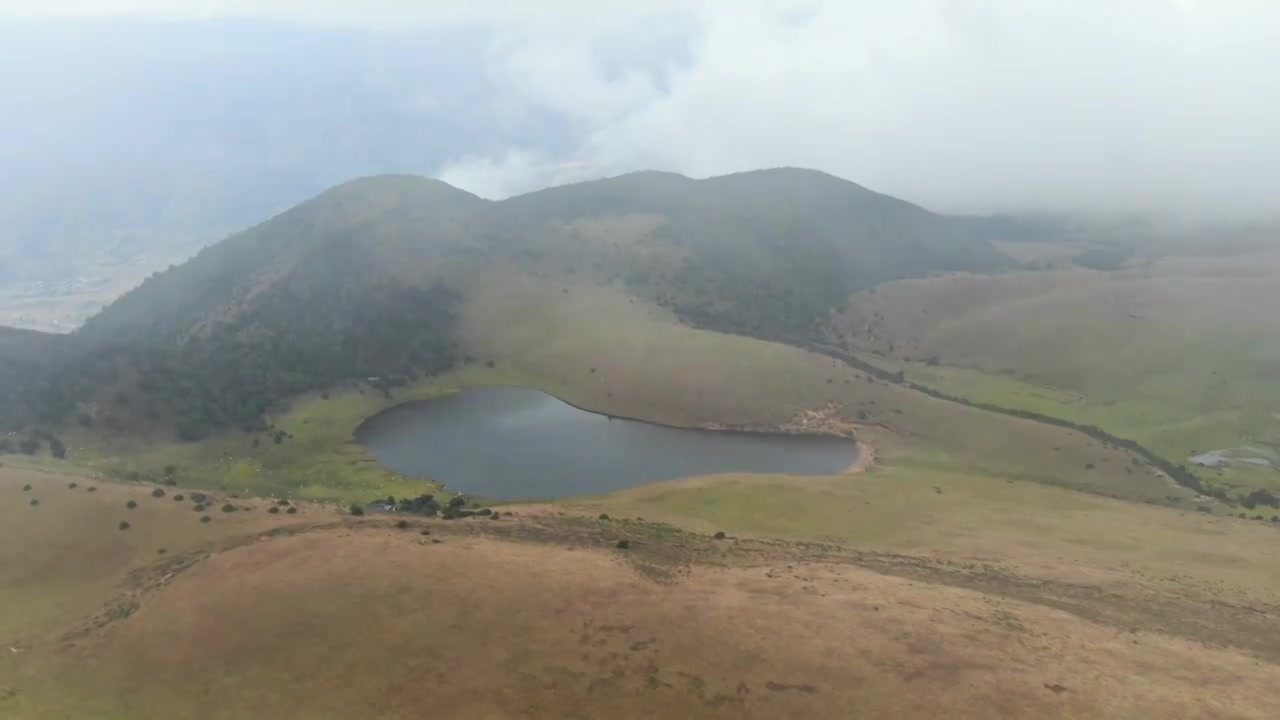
(964, 105)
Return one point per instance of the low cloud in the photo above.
(1157, 105)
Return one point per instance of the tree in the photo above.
(56, 448)
(1260, 497)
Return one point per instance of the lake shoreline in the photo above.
(509, 442)
(829, 427)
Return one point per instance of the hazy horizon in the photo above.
(1157, 107)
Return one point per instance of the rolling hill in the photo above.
(975, 565)
(362, 281)
(1179, 353)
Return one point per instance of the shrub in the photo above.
(495, 516)
(605, 516)
(402, 524)
(161, 551)
(228, 508)
(131, 504)
(178, 498)
(484, 511)
(457, 501)
(425, 532)
(623, 544)
(197, 507)
(71, 486)
(26, 488)
(291, 511)
(1260, 497)
(199, 497)
(356, 510)
(720, 535)
(273, 510)
(157, 493)
(34, 502)
(123, 525)
(1088, 466)
(205, 519)
(93, 489)
(282, 503)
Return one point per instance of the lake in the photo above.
(513, 443)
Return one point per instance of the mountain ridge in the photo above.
(365, 278)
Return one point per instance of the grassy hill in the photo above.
(977, 565)
(978, 606)
(1179, 354)
(602, 349)
(264, 346)
(362, 281)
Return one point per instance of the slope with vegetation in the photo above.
(1179, 355)
(978, 565)
(362, 280)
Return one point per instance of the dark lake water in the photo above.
(513, 443)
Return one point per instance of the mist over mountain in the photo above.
(367, 279)
(124, 137)
(144, 125)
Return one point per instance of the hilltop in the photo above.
(364, 280)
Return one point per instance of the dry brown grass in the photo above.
(537, 615)
(62, 556)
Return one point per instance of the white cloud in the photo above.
(1151, 104)
(364, 13)
(513, 173)
(957, 104)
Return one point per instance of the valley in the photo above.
(971, 563)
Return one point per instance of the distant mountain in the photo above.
(365, 279)
(136, 138)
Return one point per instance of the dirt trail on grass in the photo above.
(540, 615)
